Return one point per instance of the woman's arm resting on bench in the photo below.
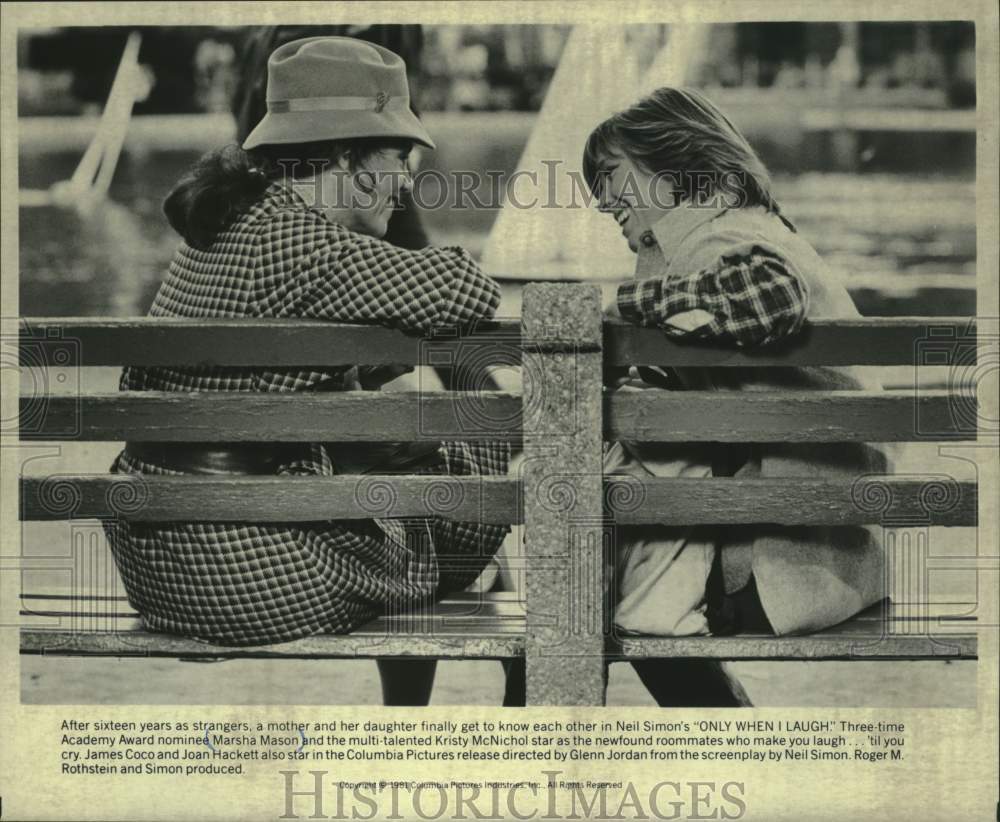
(750, 297)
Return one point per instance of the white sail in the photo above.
(596, 76)
(676, 63)
(560, 236)
(92, 178)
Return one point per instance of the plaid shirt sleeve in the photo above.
(340, 275)
(754, 297)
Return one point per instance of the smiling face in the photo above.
(635, 198)
(363, 198)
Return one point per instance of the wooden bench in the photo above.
(567, 507)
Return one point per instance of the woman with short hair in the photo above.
(717, 262)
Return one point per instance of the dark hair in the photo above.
(681, 133)
(225, 183)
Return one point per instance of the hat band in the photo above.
(380, 102)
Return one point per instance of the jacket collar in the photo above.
(678, 224)
(280, 196)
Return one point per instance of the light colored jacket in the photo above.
(808, 578)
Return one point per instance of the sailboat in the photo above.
(92, 178)
(563, 236)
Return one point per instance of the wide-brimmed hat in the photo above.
(335, 88)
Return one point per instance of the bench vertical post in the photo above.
(563, 494)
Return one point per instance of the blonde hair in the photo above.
(679, 132)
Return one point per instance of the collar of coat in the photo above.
(677, 224)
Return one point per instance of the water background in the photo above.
(905, 240)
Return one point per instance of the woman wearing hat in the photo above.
(290, 226)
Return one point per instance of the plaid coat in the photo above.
(245, 583)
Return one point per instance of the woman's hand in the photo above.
(610, 310)
(686, 322)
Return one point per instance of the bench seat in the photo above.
(484, 626)
(882, 632)
(465, 625)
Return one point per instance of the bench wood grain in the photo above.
(348, 416)
(882, 632)
(933, 500)
(368, 416)
(492, 625)
(463, 625)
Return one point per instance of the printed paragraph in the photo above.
(221, 748)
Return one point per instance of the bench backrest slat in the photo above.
(934, 500)
(790, 416)
(270, 499)
(354, 416)
(292, 343)
(862, 341)
(343, 416)
(874, 499)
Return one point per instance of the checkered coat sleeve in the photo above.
(316, 268)
(256, 583)
(753, 297)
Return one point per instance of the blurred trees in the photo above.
(505, 67)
